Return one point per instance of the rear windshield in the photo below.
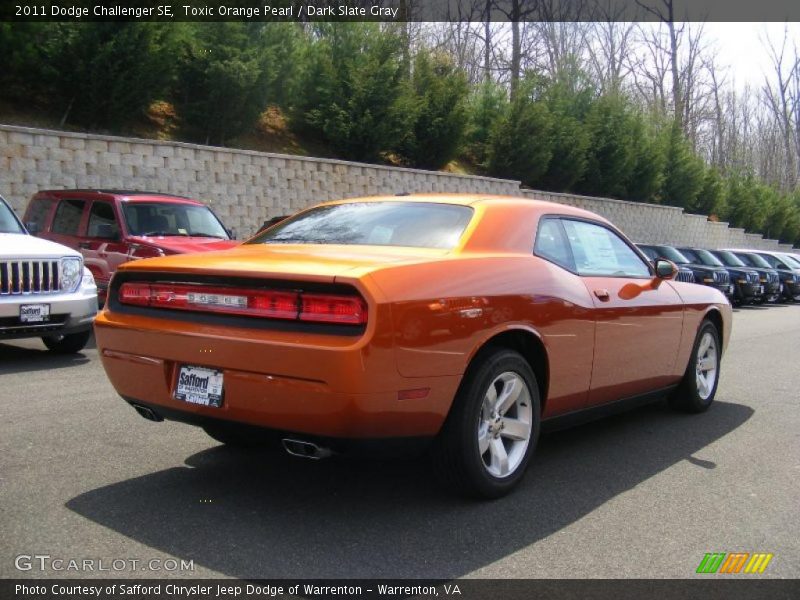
(415, 224)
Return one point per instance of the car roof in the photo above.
(491, 201)
(757, 251)
(126, 195)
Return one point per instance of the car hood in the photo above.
(703, 268)
(316, 262)
(185, 245)
(741, 270)
(763, 270)
(20, 245)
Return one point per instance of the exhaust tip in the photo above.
(305, 449)
(147, 413)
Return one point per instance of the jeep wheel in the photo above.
(67, 344)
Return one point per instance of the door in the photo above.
(102, 247)
(68, 221)
(639, 317)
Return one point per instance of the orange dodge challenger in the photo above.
(454, 323)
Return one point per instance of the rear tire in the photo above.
(699, 385)
(491, 432)
(67, 344)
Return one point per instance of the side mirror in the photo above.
(32, 227)
(665, 269)
(105, 231)
(231, 233)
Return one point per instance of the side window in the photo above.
(68, 217)
(552, 244)
(600, 251)
(102, 222)
(37, 213)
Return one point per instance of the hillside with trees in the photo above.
(640, 112)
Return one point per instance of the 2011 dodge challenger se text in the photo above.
(455, 324)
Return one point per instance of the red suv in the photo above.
(110, 227)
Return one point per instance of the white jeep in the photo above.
(45, 291)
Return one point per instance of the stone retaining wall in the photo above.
(244, 187)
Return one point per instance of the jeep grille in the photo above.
(29, 277)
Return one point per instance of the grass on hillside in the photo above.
(271, 133)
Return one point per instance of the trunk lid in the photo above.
(316, 262)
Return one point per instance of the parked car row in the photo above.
(111, 227)
(51, 287)
(745, 276)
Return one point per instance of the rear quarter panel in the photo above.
(443, 312)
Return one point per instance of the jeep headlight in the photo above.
(88, 278)
(71, 273)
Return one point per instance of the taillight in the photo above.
(333, 309)
(273, 304)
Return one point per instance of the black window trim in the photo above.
(564, 217)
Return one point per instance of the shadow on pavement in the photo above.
(269, 515)
(21, 359)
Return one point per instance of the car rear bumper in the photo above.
(271, 380)
(367, 447)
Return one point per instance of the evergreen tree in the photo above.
(105, 75)
(350, 89)
(435, 100)
(683, 171)
(611, 158)
(485, 106)
(520, 145)
(228, 73)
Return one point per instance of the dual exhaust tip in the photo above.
(305, 449)
(292, 446)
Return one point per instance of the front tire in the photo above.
(491, 432)
(67, 344)
(699, 385)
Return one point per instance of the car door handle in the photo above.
(602, 294)
(83, 244)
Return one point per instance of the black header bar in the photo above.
(400, 10)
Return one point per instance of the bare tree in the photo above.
(782, 96)
(608, 43)
(517, 12)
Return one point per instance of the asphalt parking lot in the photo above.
(645, 494)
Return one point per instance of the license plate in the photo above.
(730, 289)
(761, 289)
(34, 313)
(199, 385)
